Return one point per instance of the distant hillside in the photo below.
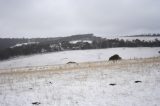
(9, 42)
(145, 35)
(16, 47)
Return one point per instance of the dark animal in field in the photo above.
(115, 57)
(159, 52)
(36, 103)
(137, 81)
(112, 84)
(71, 62)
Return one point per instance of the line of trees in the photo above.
(66, 45)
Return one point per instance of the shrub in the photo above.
(115, 57)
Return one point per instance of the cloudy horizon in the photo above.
(53, 18)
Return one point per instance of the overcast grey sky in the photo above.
(50, 18)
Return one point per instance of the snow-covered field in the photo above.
(125, 83)
(79, 56)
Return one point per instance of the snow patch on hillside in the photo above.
(76, 41)
(24, 44)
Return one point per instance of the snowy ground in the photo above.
(85, 86)
(79, 56)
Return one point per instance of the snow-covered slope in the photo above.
(79, 56)
(125, 83)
